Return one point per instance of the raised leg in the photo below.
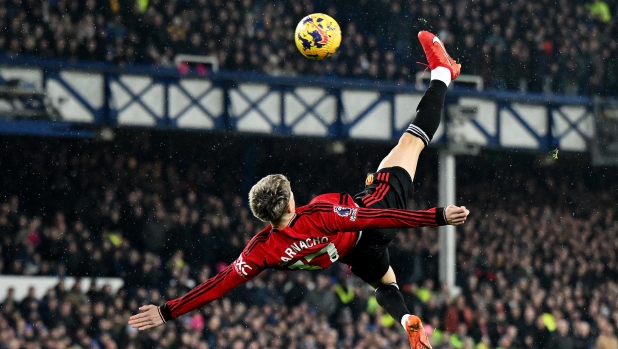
(420, 132)
(405, 154)
(444, 69)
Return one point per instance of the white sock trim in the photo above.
(392, 283)
(404, 320)
(442, 74)
(417, 131)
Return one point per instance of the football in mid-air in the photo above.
(317, 36)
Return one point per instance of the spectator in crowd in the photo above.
(607, 339)
(322, 298)
(583, 338)
(560, 338)
(600, 11)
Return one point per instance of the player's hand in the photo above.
(456, 215)
(148, 317)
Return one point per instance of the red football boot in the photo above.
(416, 333)
(437, 55)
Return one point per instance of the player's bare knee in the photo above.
(388, 278)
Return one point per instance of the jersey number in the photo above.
(330, 249)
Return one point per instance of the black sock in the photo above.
(429, 112)
(389, 297)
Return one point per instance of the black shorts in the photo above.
(388, 188)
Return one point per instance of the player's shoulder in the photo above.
(327, 201)
(321, 205)
(333, 198)
(259, 239)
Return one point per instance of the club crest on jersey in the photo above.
(369, 180)
(241, 267)
(346, 211)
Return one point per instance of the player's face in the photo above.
(292, 204)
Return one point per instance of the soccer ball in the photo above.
(317, 36)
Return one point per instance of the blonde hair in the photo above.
(269, 197)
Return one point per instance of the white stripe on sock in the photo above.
(417, 131)
(394, 284)
(391, 284)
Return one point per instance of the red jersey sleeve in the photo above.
(344, 218)
(237, 273)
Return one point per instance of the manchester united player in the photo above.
(337, 227)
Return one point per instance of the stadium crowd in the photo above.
(549, 46)
(537, 261)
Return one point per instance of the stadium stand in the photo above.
(563, 47)
(536, 261)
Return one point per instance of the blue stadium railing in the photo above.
(88, 96)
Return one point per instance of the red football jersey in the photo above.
(316, 237)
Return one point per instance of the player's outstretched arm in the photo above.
(341, 218)
(214, 288)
